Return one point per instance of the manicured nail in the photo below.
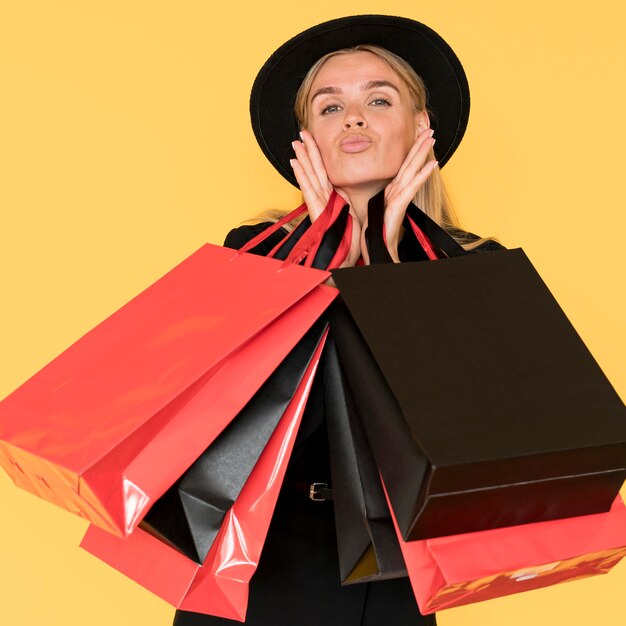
(301, 137)
(431, 132)
(291, 162)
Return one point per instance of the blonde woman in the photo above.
(363, 105)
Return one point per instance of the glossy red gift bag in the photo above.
(219, 586)
(462, 569)
(158, 379)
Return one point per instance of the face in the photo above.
(362, 119)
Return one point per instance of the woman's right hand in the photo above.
(308, 168)
(310, 173)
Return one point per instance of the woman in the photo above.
(363, 127)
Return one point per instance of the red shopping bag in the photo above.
(462, 569)
(160, 378)
(219, 586)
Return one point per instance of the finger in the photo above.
(301, 177)
(315, 157)
(311, 198)
(423, 142)
(417, 144)
(415, 160)
(421, 176)
(307, 166)
(403, 192)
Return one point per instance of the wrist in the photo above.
(393, 252)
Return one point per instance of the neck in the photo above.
(359, 196)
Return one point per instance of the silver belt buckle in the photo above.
(313, 495)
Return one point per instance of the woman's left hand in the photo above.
(412, 174)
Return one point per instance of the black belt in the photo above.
(318, 492)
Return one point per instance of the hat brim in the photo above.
(275, 87)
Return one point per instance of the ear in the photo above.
(422, 122)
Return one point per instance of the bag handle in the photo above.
(255, 241)
(309, 243)
(303, 243)
(425, 229)
(341, 254)
(330, 252)
(437, 235)
(281, 250)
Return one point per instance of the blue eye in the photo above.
(327, 109)
(384, 101)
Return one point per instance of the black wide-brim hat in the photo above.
(275, 87)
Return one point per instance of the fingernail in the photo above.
(432, 132)
(291, 162)
(436, 165)
(301, 137)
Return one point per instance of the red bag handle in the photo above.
(309, 243)
(255, 241)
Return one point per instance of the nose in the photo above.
(354, 118)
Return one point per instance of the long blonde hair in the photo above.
(432, 197)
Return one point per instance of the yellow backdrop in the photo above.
(125, 144)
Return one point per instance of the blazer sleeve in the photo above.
(239, 236)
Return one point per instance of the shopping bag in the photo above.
(462, 569)
(366, 538)
(189, 515)
(160, 378)
(482, 405)
(219, 586)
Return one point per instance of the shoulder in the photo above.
(464, 237)
(239, 236)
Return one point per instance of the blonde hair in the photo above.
(432, 197)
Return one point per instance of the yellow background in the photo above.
(125, 144)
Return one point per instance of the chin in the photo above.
(363, 174)
(361, 179)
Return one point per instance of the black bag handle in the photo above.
(293, 238)
(331, 240)
(374, 234)
(437, 235)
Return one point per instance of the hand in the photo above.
(308, 168)
(412, 174)
(310, 173)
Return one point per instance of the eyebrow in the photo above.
(372, 84)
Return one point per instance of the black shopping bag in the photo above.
(366, 539)
(189, 515)
(482, 405)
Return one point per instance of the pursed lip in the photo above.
(355, 143)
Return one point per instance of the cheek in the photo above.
(324, 144)
(403, 140)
